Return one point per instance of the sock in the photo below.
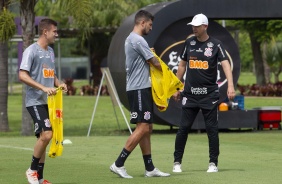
(148, 162)
(122, 157)
(34, 163)
(40, 171)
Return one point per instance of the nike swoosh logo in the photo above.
(214, 102)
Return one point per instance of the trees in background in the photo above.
(273, 57)
(27, 14)
(84, 15)
(7, 30)
(260, 32)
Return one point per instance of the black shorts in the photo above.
(40, 116)
(208, 104)
(141, 105)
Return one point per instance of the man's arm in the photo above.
(181, 69)
(155, 62)
(228, 74)
(180, 73)
(25, 78)
(57, 83)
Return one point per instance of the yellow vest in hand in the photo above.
(164, 84)
(55, 107)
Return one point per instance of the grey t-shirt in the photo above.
(40, 64)
(137, 52)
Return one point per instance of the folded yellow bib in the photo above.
(164, 84)
(55, 107)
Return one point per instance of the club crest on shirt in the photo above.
(208, 52)
(47, 123)
(147, 115)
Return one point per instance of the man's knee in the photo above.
(145, 127)
(46, 136)
(183, 130)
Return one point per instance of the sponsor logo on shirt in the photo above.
(193, 42)
(198, 64)
(199, 50)
(48, 73)
(210, 44)
(199, 91)
(36, 127)
(59, 113)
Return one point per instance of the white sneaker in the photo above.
(32, 176)
(156, 173)
(212, 168)
(119, 171)
(177, 167)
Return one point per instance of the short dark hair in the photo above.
(45, 24)
(143, 14)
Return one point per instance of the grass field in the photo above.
(78, 111)
(247, 158)
(246, 78)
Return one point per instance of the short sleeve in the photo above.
(183, 54)
(221, 52)
(144, 49)
(27, 60)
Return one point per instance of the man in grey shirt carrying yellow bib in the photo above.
(138, 88)
(37, 71)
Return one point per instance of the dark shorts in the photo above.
(208, 104)
(40, 116)
(141, 105)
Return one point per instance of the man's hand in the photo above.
(64, 87)
(176, 96)
(230, 93)
(50, 91)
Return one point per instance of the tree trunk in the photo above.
(276, 78)
(27, 22)
(267, 71)
(276, 75)
(258, 61)
(4, 125)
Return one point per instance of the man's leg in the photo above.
(145, 145)
(187, 118)
(211, 122)
(43, 131)
(133, 140)
(42, 159)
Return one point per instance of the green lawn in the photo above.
(250, 78)
(78, 112)
(247, 158)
